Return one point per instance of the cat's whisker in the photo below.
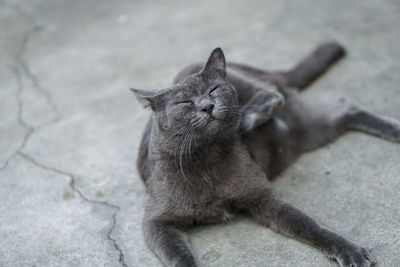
(193, 137)
(188, 146)
(228, 108)
(178, 144)
(180, 156)
(196, 122)
(185, 141)
(176, 133)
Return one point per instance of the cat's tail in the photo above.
(314, 65)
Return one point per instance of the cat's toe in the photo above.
(394, 136)
(368, 254)
(353, 256)
(228, 217)
(392, 130)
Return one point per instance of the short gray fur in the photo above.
(220, 131)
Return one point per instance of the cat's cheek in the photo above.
(220, 113)
(162, 121)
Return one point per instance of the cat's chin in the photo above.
(215, 126)
(212, 126)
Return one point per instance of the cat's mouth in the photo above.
(206, 122)
(211, 124)
(211, 118)
(207, 119)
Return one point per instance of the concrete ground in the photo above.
(70, 128)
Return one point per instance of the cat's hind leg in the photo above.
(323, 127)
(303, 74)
(314, 65)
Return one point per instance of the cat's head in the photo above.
(204, 105)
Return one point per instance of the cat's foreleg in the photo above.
(260, 109)
(284, 218)
(169, 243)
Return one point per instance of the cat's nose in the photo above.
(207, 108)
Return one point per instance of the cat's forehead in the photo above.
(194, 85)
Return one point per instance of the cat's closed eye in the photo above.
(186, 102)
(213, 90)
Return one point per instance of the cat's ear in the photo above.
(216, 62)
(152, 99)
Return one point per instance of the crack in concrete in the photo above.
(27, 71)
(83, 197)
(23, 66)
(29, 128)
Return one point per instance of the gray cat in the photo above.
(219, 133)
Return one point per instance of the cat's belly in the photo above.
(268, 146)
(212, 214)
(204, 213)
(223, 217)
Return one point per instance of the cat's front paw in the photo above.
(351, 255)
(395, 134)
(185, 261)
(248, 122)
(259, 111)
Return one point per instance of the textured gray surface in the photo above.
(70, 129)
